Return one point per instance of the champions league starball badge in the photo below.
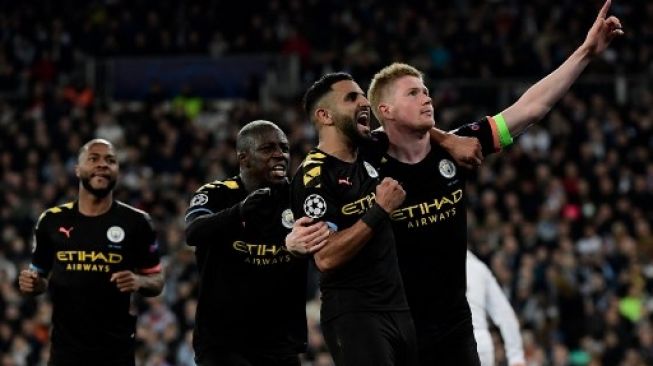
(315, 206)
(115, 234)
(447, 168)
(200, 199)
(287, 218)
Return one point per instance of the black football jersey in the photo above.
(431, 233)
(91, 318)
(326, 188)
(252, 294)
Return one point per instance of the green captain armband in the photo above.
(504, 134)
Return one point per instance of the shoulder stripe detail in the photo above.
(132, 208)
(196, 211)
(231, 184)
(311, 176)
(312, 168)
(55, 210)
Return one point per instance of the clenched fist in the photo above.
(389, 194)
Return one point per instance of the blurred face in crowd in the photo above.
(269, 156)
(350, 110)
(97, 168)
(409, 104)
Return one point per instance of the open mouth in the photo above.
(278, 170)
(363, 117)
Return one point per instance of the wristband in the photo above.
(504, 133)
(374, 216)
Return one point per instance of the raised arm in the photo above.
(538, 100)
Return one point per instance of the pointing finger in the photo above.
(604, 9)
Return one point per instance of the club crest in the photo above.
(287, 218)
(115, 234)
(370, 170)
(447, 168)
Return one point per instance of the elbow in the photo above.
(191, 235)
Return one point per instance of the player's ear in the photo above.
(385, 110)
(243, 158)
(323, 116)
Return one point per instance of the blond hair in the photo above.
(383, 80)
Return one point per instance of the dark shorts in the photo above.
(245, 358)
(372, 338)
(456, 348)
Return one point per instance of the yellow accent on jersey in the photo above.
(55, 210)
(231, 184)
(312, 167)
(312, 174)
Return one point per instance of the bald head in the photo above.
(251, 132)
(84, 149)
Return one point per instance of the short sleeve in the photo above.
(148, 255)
(42, 249)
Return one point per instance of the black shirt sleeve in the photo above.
(147, 255)
(43, 248)
(485, 131)
(211, 211)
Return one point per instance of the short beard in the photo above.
(99, 193)
(349, 127)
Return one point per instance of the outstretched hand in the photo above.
(603, 31)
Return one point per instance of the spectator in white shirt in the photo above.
(486, 298)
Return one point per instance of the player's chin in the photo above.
(363, 129)
(277, 178)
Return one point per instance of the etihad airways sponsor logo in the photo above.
(262, 254)
(359, 206)
(428, 207)
(90, 256)
(88, 261)
(442, 206)
(428, 212)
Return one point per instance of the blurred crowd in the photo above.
(563, 217)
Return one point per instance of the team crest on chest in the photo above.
(200, 199)
(447, 168)
(315, 206)
(115, 234)
(287, 218)
(370, 170)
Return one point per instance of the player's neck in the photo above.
(408, 146)
(250, 182)
(334, 143)
(90, 205)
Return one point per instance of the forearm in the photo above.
(204, 228)
(343, 245)
(438, 136)
(151, 284)
(538, 100)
